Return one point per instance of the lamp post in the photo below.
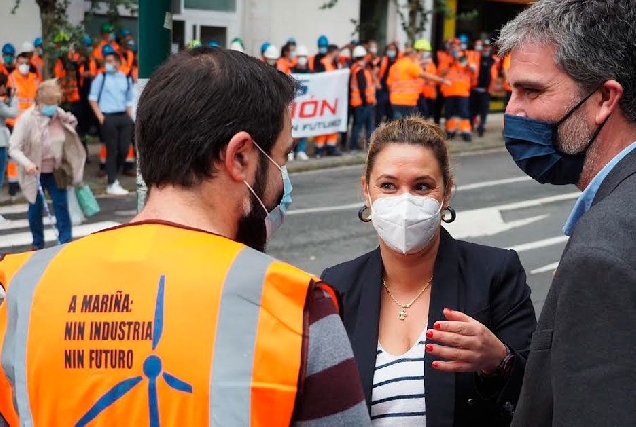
(155, 38)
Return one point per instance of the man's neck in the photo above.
(190, 208)
(617, 135)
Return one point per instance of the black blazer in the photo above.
(581, 365)
(488, 284)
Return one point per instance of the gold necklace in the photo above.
(403, 307)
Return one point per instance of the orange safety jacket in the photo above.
(38, 63)
(68, 78)
(97, 51)
(404, 82)
(444, 59)
(354, 92)
(3, 70)
(127, 59)
(474, 58)
(429, 88)
(460, 78)
(505, 66)
(26, 88)
(283, 65)
(143, 336)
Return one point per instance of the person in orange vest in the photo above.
(327, 144)
(403, 81)
(315, 60)
(37, 60)
(383, 104)
(284, 62)
(362, 93)
(301, 67)
(504, 66)
(428, 94)
(227, 336)
(487, 78)
(8, 110)
(443, 58)
(457, 94)
(107, 37)
(25, 85)
(8, 59)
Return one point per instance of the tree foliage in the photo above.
(414, 15)
(55, 20)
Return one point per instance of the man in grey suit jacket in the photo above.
(572, 120)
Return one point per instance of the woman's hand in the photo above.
(465, 344)
(31, 169)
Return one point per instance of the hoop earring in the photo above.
(452, 213)
(361, 214)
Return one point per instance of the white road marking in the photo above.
(25, 238)
(539, 244)
(545, 268)
(485, 222)
(494, 183)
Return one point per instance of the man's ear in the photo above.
(240, 158)
(611, 93)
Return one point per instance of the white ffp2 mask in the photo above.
(406, 223)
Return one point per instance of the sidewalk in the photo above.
(492, 140)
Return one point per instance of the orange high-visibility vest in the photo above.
(26, 88)
(127, 59)
(404, 84)
(143, 336)
(282, 64)
(429, 88)
(474, 58)
(460, 77)
(505, 66)
(444, 59)
(328, 64)
(97, 51)
(356, 97)
(38, 63)
(3, 70)
(68, 79)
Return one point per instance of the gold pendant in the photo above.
(402, 314)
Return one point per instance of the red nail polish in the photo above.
(429, 334)
(435, 364)
(429, 348)
(437, 326)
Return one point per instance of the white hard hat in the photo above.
(359, 52)
(26, 47)
(272, 52)
(302, 51)
(237, 46)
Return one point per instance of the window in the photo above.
(218, 5)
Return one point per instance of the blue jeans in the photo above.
(3, 164)
(301, 145)
(401, 111)
(60, 207)
(364, 116)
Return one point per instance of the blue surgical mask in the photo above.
(391, 53)
(275, 218)
(111, 37)
(292, 54)
(322, 49)
(49, 110)
(110, 68)
(533, 146)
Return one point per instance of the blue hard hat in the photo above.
(463, 38)
(124, 32)
(213, 44)
(8, 49)
(291, 40)
(323, 41)
(264, 47)
(107, 50)
(37, 42)
(87, 41)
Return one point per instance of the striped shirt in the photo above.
(331, 392)
(398, 388)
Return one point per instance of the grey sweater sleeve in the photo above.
(10, 110)
(331, 392)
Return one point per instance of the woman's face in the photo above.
(404, 168)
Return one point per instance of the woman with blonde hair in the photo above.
(45, 145)
(440, 328)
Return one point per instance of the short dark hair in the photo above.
(3, 79)
(196, 102)
(332, 48)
